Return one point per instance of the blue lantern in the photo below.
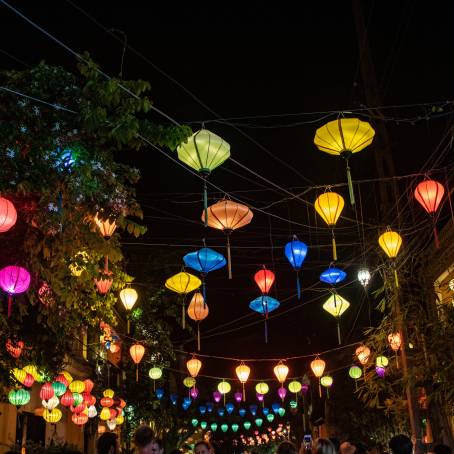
(275, 407)
(229, 407)
(204, 260)
(202, 409)
(264, 305)
(333, 276)
(296, 252)
(253, 408)
(242, 412)
(265, 410)
(174, 399)
(210, 406)
(221, 411)
(187, 401)
(159, 393)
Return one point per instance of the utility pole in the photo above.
(385, 168)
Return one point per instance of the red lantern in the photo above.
(104, 282)
(67, 399)
(264, 279)
(89, 399)
(62, 379)
(8, 215)
(14, 349)
(78, 408)
(122, 403)
(79, 419)
(28, 381)
(106, 402)
(88, 386)
(113, 413)
(46, 391)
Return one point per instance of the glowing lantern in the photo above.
(238, 397)
(128, 297)
(194, 393)
(395, 341)
(29, 380)
(224, 427)
(326, 381)
(111, 424)
(194, 365)
(106, 402)
(67, 399)
(194, 422)
(104, 282)
(364, 276)
(183, 283)
(79, 262)
(62, 379)
(242, 372)
(105, 414)
(247, 425)
(108, 393)
(14, 348)
(380, 371)
(78, 399)
(19, 374)
(318, 367)
(333, 276)
(88, 385)
(262, 388)
(78, 408)
(224, 388)
(235, 427)
(155, 373)
(229, 407)
(294, 387)
(336, 306)
(88, 399)
(264, 280)
(381, 361)
(92, 412)
(355, 372)
(114, 347)
(282, 392)
(343, 137)
(281, 372)
(198, 311)
(203, 425)
(46, 392)
(217, 396)
(79, 419)
(14, 280)
(113, 413)
(33, 370)
(46, 295)
(8, 215)
(51, 403)
(77, 386)
(52, 416)
(19, 397)
(270, 417)
(59, 388)
(101, 429)
(137, 351)
(228, 216)
(259, 422)
(391, 242)
(363, 354)
(204, 151)
(329, 206)
(189, 382)
(264, 305)
(106, 227)
(119, 420)
(296, 252)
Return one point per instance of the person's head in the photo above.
(203, 447)
(442, 449)
(155, 447)
(401, 444)
(323, 446)
(336, 443)
(347, 447)
(107, 443)
(143, 438)
(286, 448)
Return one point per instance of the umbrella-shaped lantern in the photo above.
(228, 216)
(333, 275)
(264, 305)
(204, 151)
(296, 252)
(343, 137)
(336, 306)
(197, 311)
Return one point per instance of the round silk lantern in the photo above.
(224, 388)
(105, 414)
(295, 252)
(77, 386)
(67, 399)
(326, 381)
(189, 382)
(155, 373)
(46, 392)
(281, 372)
(79, 418)
(59, 388)
(52, 416)
(295, 387)
(19, 397)
(262, 388)
(137, 351)
(228, 216)
(14, 280)
(381, 361)
(108, 393)
(8, 215)
(198, 311)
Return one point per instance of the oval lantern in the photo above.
(336, 305)
(19, 397)
(67, 399)
(295, 252)
(8, 215)
(77, 386)
(137, 351)
(46, 392)
(198, 311)
(364, 276)
(262, 388)
(52, 416)
(14, 280)
(128, 297)
(224, 387)
(326, 381)
(329, 206)
(194, 365)
(155, 373)
(395, 341)
(391, 242)
(333, 276)
(242, 372)
(108, 393)
(79, 418)
(355, 372)
(318, 367)
(264, 280)
(294, 386)
(381, 361)
(343, 137)
(59, 388)
(228, 216)
(281, 372)
(189, 382)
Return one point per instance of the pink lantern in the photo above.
(194, 392)
(238, 396)
(217, 396)
(104, 282)
(260, 397)
(46, 391)
(304, 388)
(282, 392)
(14, 280)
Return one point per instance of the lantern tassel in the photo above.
(437, 242)
(129, 326)
(319, 389)
(298, 286)
(244, 394)
(198, 336)
(350, 186)
(10, 304)
(229, 258)
(154, 385)
(356, 385)
(137, 373)
(205, 201)
(183, 316)
(334, 248)
(396, 280)
(338, 332)
(204, 293)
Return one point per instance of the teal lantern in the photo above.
(224, 427)
(194, 422)
(203, 425)
(214, 427)
(247, 425)
(281, 412)
(293, 404)
(259, 422)
(203, 152)
(59, 388)
(270, 417)
(19, 397)
(235, 427)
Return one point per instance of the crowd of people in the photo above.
(146, 443)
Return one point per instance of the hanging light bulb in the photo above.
(364, 276)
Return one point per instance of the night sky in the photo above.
(254, 60)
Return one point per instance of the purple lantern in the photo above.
(238, 396)
(380, 371)
(282, 392)
(14, 280)
(260, 397)
(217, 396)
(304, 388)
(194, 392)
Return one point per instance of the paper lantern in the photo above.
(189, 382)
(294, 387)
(104, 282)
(282, 392)
(46, 392)
(89, 399)
(79, 419)
(101, 429)
(390, 242)
(214, 426)
(238, 397)
(62, 379)
(19, 397)
(51, 403)
(19, 374)
(259, 422)
(108, 393)
(14, 280)
(281, 372)
(380, 371)
(333, 276)
(229, 407)
(194, 422)
(194, 393)
(336, 306)
(88, 385)
(318, 367)
(355, 372)
(202, 409)
(106, 227)
(77, 386)
(242, 411)
(203, 152)
(329, 206)
(260, 397)
(155, 373)
(78, 399)
(106, 402)
(111, 424)
(381, 361)
(224, 427)
(59, 388)
(33, 370)
(264, 280)
(14, 348)
(228, 216)
(262, 388)
(364, 276)
(253, 409)
(203, 425)
(295, 252)
(113, 413)
(247, 425)
(242, 372)
(137, 351)
(8, 215)
(105, 413)
(67, 399)
(326, 381)
(264, 305)
(28, 380)
(79, 408)
(221, 411)
(128, 297)
(52, 416)
(270, 417)
(194, 365)
(119, 420)
(198, 311)
(363, 354)
(281, 412)
(343, 137)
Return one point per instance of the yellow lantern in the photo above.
(120, 420)
(329, 206)
(336, 306)
(106, 227)
(343, 137)
(363, 354)
(183, 283)
(108, 393)
(262, 388)
(318, 367)
(128, 297)
(224, 387)
(189, 382)
(155, 373)
(194, 365)
(52, 416)
(77, 386)
(33, 371)
(281, 372)
(391, 242)
(242, 372)
(295, 387)
(381, 361)
(198, 311)
(19, 374)
(326, 381)
(105, 413)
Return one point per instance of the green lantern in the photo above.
(203, 425)
(247, 425)
(235, 427)
(293, 404)
(270, 417)
(19, 397)
(59, 388)
(78, 399)
(259, 422)
(214, 427)
(355, 372)
(203, 152)
(281, 412)
(224, 427)
(155, 373)
(194, 422)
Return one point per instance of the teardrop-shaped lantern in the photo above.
(194, 365)
(242, 372)
(281, 372)
(296, 252)
(264, 280)
(391, 242)
(329, 206)
(343, 137)
(137, 351)
(128, 297)
(228, 216)
(318, 367)
(336, 305)
(198, 311)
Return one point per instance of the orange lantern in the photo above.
(318, 367)
(228, 216)
(79, 418)
(106, 227)
(363, 354)
(242, 372)
(104, 282)
(329, 206)
(194, 365)
(281, 372)
(137, 351)
(8, 215)
(198, 311)
(14, 348)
